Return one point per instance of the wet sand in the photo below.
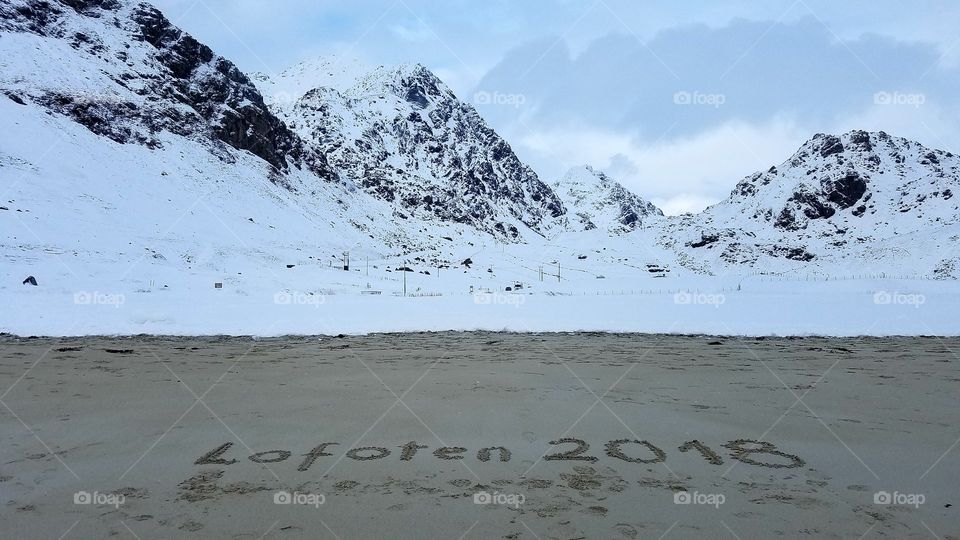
(789, 438)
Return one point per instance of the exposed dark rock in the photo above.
(860, 140)
(91, 8)
(222, 105)
(931, 159)
(15, 98)
(830, 145)
(30, 281)
(36, 16)
(800, 254)
(812, 206)
(705, 240)
(432, 153)
(225, 98)
(846, 191)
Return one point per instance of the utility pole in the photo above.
(558, 272)
(404, 283)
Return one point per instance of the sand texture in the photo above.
(479, 435)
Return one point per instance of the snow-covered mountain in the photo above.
(865, 199)
(131, 150)
(134, 75)
(284, 89)
(401, 134)
(138, 167)
(593, 200)
(128, 142)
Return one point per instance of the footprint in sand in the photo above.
(536, 483)
(596, 511)
(191, 526)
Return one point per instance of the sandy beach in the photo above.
(479, 435)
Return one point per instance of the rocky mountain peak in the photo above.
(412, 83)
(837, 192)
(133, 75)
(403, 136)
(593, 200)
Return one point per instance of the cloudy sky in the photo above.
(678, 100)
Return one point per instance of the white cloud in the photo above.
(931, 124)
(680, 175)
(416, 32)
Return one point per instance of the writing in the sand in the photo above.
(757, 453)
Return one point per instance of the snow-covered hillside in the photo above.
(403, 136)
(132, 153)
(859, 200)
(284, 89)
(138, 169)
(126, 73)
(595, 201)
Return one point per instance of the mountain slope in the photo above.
(403, 136)
(284, 89)
(855, 197)
(131, 153)
(136, 74)
(593, 200)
